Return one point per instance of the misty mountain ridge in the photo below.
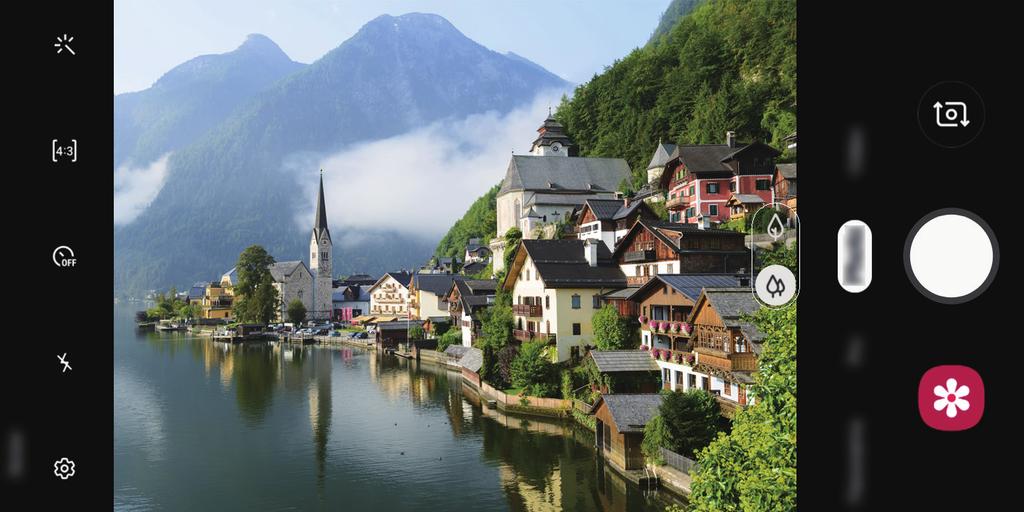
(193, 97)
(233, 186)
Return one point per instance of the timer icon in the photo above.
(63, 256)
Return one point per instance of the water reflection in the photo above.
(328, 428)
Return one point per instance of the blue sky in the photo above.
(572, 38)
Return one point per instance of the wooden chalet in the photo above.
(654, 247)
(665, 303)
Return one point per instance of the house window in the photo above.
(547, 326)
(763, 184)
(575, 301)
(671, 267)
(693, 188)
(638, 274)
(597, 301)
(527, 275)
(712, 209)
(645, 310)
(712, 188)
(547, 302)
(575, 329)
(732, 186)
(323, 255)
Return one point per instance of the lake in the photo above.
(200, 425)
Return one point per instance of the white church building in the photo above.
(547, 185)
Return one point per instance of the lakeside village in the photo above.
(630, 315)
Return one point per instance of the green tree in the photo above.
(189, 311)
(503, 370)
(451, 337)
(531, 365)
(691, 419)
(656, 437)
(296, 312)
(611, 331)
(512, 238)
(754, 466)
(496, 322)
(417, 333)
(256, 298)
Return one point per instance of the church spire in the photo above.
(320, 222)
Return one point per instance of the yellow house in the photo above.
(429, 293)
(556, 287)
(217, 301)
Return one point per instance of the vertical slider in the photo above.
(854, 269)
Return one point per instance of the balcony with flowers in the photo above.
(666, 355)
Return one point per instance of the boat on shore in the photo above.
(169, 326)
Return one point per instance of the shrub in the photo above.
(567, 384)
(505, 358)
(691, 419)
(530, 366)
(449, 338)
(416, 332)
(656, 436)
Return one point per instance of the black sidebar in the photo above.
(906, 110)
(57, 377)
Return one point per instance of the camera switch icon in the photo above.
(951, 114)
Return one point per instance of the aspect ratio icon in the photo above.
(63, 256)
(60, 150)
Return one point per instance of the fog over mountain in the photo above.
(406, 118)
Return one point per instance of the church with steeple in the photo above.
(321, 254)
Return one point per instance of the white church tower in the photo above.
(321, 252)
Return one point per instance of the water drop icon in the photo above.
(775, 227)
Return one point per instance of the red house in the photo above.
(699, 179)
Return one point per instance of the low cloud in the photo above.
(136, 187)
(420, 182)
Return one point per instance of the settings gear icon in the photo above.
(64, 468)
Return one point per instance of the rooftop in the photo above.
(615, 361)
(631, 411)
(562, 264)
(564, 174)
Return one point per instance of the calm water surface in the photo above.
(205, 426)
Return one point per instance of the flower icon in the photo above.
(951, 398)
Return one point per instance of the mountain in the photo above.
(243, 182)
(673, 13)
(192, 98)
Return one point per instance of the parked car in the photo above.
(335, 334)
(361, 335)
